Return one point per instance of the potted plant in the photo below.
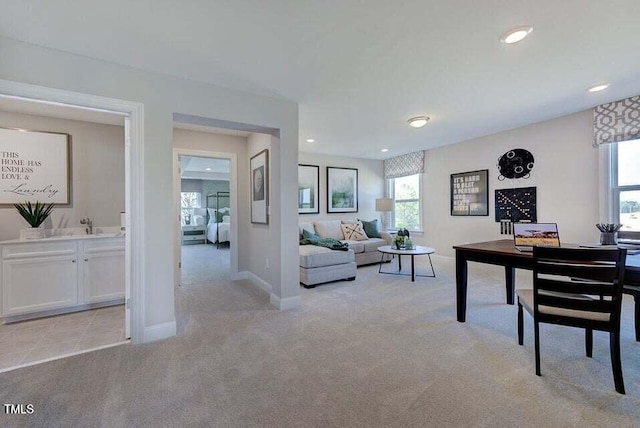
(35, 214)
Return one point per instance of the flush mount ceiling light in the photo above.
(418, 121)
(384, 150)
(208, 169)
(516, 34)
(310, 140)
(599, 88)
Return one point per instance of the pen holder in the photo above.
(608, 238)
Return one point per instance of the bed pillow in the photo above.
(226, 219)
(198, 220)
(353, 232)
(371, 228)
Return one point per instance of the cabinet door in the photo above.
(36, 284)
(103, 276)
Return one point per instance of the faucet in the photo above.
(89, 224)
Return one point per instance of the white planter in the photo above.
(32, 233)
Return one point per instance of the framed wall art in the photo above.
(308, 189)
(516, 204)
(259, 170)
(470, 193)
(342, 190)
(34, 166)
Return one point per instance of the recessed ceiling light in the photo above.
(599, 88)
(418, 121)
(208, 169)
(516, 34)
(384, 150)
(310, 140)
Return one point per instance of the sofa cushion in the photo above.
(308, 226)
(329, 229)
(371, 228)
(356, 246)
(372, 244)
(312, 256)
(353, 231)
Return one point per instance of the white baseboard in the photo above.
(159, 331)
(255, 280)
(286, 303)
(240, 275)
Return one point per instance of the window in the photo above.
(625, 179)
(189, 201)
(407, 207)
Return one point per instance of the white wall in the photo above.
(163, 96)
(97, 159)
(565, 174)
(371, 185)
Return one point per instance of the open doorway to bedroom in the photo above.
(205, 219)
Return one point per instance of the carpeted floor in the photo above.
(378, 351)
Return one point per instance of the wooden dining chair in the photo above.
(577, 287)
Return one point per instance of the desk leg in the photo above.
(399, 263)
(510, 276)
(636, 300)
(413, 270)
(461, 285)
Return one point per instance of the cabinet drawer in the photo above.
(40, 249)
(193, 238)
(192, 228)
(101, 245)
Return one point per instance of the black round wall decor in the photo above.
(516, 163)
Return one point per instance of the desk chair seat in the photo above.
(579, 288)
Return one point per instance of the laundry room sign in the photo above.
(34, 166)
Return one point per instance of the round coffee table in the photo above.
(416, 251)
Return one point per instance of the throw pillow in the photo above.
(308, 235)
(353, 232)
(371, 228)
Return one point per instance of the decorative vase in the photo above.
(609, 238)
(32, 233)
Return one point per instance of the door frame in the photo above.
(233, 189)
(134, 181)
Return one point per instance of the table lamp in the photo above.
(384, 206)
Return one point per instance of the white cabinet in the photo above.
(102, 265)
(194, 235)
(51, 276)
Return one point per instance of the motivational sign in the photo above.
(470, 193)
(34, 166)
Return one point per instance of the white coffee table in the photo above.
(416, 251)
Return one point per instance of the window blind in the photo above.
(404, 165)
(617, 121)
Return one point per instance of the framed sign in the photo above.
(470, 193)
(259, 170)
(342, 190)
(308, 186)
(34, 166)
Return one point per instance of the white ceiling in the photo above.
(359, 69)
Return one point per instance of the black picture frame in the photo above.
(342, 190)
(470, 193)
(259, 179)
(308, 189)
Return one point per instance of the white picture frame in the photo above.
(34, 166)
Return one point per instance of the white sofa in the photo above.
(319, 265)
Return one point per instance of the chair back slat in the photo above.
(576, 286)
(581, 279)
(595, 272)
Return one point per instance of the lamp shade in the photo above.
(384, 205)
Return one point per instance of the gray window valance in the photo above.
(617, 121)
(404, 165)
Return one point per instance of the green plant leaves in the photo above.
(34, 214)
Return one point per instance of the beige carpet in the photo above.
(378, 351)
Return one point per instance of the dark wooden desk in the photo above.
(502, 253)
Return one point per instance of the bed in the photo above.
(218, 218)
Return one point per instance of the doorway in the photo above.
(205, 219)
(96, 286)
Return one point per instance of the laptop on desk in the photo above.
(528, 235)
